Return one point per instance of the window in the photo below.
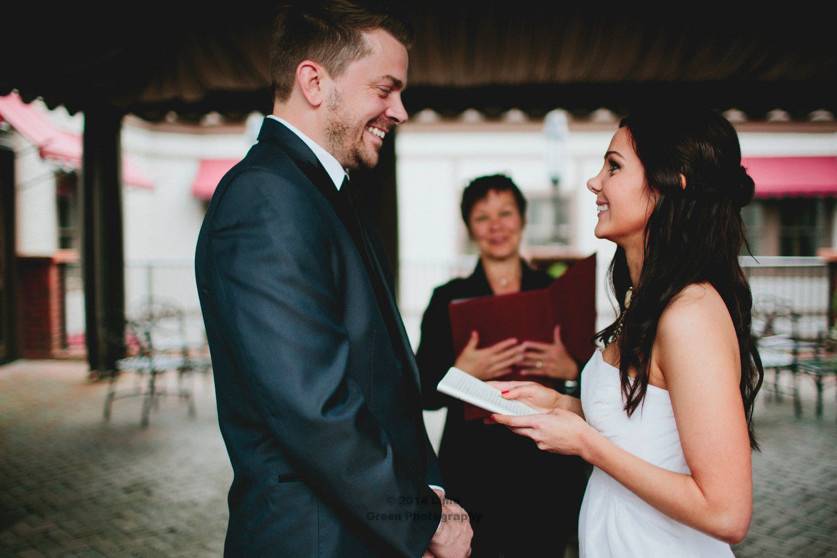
(548, 219)
(753, 217)
(66, 188)
(804, 226)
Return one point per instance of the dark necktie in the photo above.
(349, 215)
(386, 303)
(343, 191)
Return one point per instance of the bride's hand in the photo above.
(558, 431)
(533, 394)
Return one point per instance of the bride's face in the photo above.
(623, 199)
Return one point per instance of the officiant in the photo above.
(521, 500)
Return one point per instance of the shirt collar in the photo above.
(332, 166)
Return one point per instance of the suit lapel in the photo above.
(393, 308)
(277, 134)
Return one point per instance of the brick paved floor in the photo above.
(795, 480)
(73, 485)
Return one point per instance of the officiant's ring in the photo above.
(539, 364)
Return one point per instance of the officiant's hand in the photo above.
(490, 362)
(550, 360)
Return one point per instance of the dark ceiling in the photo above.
(490, 55)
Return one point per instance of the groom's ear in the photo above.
(311, 79)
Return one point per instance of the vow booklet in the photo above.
(462, 385)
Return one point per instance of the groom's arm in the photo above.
(434, 473)
(273, 283)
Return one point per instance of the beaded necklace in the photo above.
(620, 320)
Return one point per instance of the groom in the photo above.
(316, 385)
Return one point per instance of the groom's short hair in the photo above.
(328, 32)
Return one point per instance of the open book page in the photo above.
(462, 385)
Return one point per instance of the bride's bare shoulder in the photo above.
(696, 311)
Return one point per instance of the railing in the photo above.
(800, 283)
(803, 282)
(146, 282)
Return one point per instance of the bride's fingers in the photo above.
(515, 392)
(514, 421)
(504, 385)
(525, 389)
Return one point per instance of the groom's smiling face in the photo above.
(364, 103)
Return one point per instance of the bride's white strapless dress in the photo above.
(615, 522)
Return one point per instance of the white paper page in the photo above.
(462, 385)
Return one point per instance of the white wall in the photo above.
(767, 144)
(37, 209)
(161, 225)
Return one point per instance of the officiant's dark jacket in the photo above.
(317, 389)
(521, 500)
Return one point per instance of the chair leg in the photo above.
(185, 393)
(797, 402)
(818, 383)
(150, 397)
(192, 411)
(110, 396)
(777, 380)
(146, 410)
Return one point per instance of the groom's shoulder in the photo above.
(265, 175)
(265, 161)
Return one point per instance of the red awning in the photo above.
(793, 177)
(210, 172)
(53, 143)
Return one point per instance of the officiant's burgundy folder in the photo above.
(570, 302)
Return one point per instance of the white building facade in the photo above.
(435, 160)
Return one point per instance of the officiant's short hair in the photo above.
(479, 188)
(328, 32)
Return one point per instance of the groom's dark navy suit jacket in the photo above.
(317, 389)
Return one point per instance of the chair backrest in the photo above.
(160, 325)
(774, 316)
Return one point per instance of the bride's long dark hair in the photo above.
(694, 235)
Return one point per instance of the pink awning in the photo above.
(210, 172)
(53, 143)
(793, 177)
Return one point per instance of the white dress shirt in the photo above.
(332, 166)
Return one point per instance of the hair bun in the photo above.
(742, 188)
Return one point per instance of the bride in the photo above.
(666, 405)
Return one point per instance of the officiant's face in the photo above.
(364, 102)
(496, 225)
